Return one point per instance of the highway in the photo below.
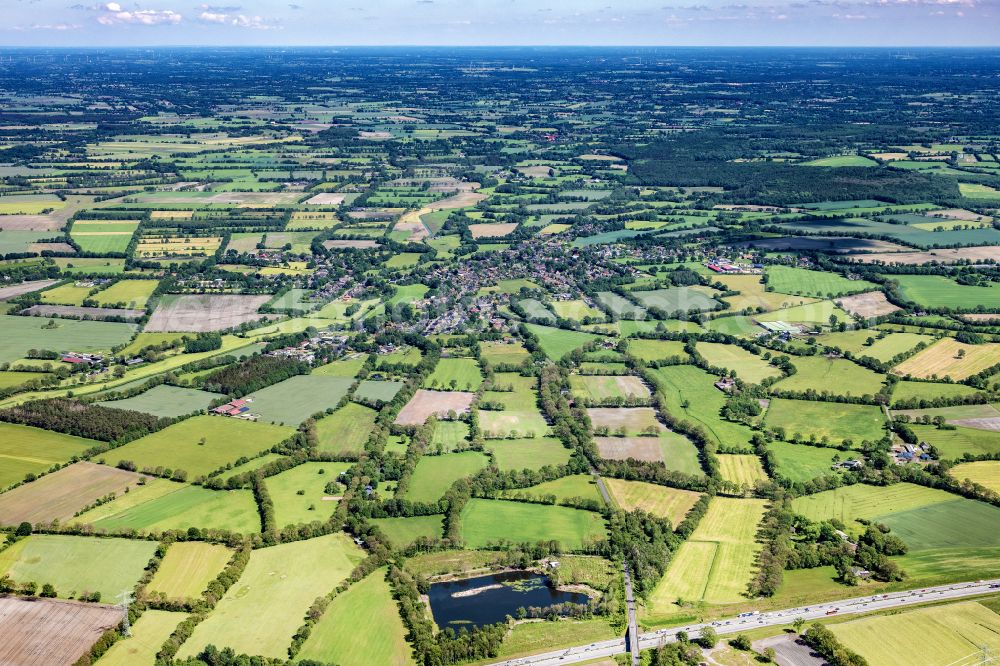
(735, 625)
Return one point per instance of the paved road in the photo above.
(633, 625)
(737, 624)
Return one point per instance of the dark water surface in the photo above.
(505, 593)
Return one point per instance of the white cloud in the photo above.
(218, 16)
(111, 13)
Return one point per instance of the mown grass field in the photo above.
(347, 429)
(884, 349)
(818, 284)
(377, 390)
(835, 375)
(673, 299)
(167, 505)
(25, 450)
(24, 333)
(836, 421)
(348, 367)
(950, 358)
(749, 367)
(298, 493)
(294, 400)
(671, 503)
(959, 631)
(127, 293)
(460, 374)
(77, 565)
(180, 446)
(557, 342)
(515, 454)
(576, 310)
(148, 634)
(401, 532)
(435, 474)
(369, 606)
(188, 568)
(496, 353)
(715, 564)
(166, 401)
(744, 470)
(450, 434)
(279, 583)
(492, 521)
(905, 390)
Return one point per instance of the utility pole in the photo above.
(125, 599)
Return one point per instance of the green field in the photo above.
(148, 635)
(401, 532)
(377, 390)
(656, 350)
(450, 435)
(347, 367)
(557, 342)
(716, 563)
(671, 503)
(573, 486)
(346, 430)
(820, 284)
(369, 606)
(435, 474)
(187, 569)
(77, 565)
(515, 454)
(937, 291)
(167, 505)
(166, 401)
(689, 384)
(492, 521)
(279, 583)
(25, 450)
(66, 294)
(842, 161)
(131, 294)
(298, 493)
(959, 632)
(599, 388)
(834, 420)
(953, 444)
(460, 374)
(673, 299)
(801, 463)
(749, 367)
(294, 400)
(835, 375)
(24, 333)
(496, 353)
(181, 446)
(576, 310)
(743, 470)
(907, 390)
(884, 349)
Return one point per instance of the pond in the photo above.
(490, 599)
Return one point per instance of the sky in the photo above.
(501, 22)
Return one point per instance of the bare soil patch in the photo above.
(460, 200)
(623, 448)
(871, 304)
(960, 214)
(824, 244)
(30, 223)
(979, 424)
(16, 290)
(326, 199)
(59, 248)
(61, 494)
(424, 403)
(205, 312)
(790, 650)
(941, 256)
(45, 632)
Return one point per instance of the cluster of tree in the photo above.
(832, 650)
(253, 374)
(85, 420)
(203, 343)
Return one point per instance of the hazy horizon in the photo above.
(642, 23)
